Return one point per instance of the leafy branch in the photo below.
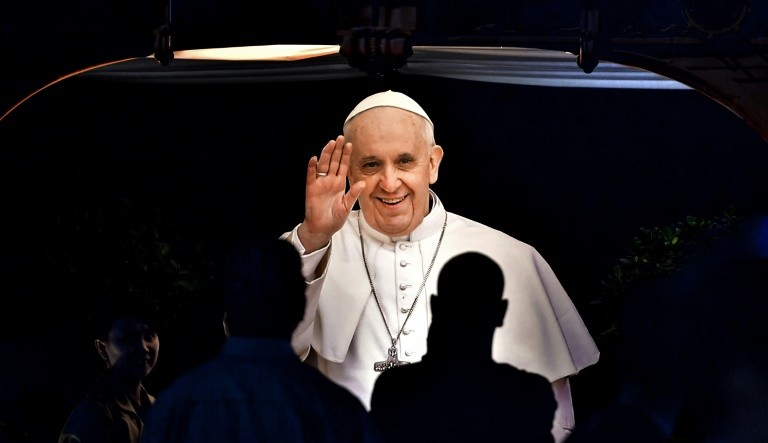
(661, 250)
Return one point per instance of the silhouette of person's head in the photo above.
(468, 306)
(429, 397)
(263, 289)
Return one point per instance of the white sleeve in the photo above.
(302, 335)
(564, 420)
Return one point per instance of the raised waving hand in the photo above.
(326, 204)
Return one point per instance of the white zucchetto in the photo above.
(389, 98)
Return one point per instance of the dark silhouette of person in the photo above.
(457, 392)
(692, 361)
(257, 389)
(116, 406)
(725, 298)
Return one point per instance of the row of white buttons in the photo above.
(404, 286)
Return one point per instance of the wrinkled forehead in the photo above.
(390, 129)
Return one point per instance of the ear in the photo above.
(101, 348)
(225, 325)
(435, 157)
(501, 311)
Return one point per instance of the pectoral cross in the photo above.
(390, 362)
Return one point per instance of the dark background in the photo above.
(102, 177)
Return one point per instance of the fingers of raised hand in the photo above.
(330, 160)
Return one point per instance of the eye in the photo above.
(370, 165)
(405, 160)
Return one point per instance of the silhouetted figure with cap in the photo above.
(257, 389)
(458, 393)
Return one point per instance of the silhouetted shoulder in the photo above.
(463, 403)
(257, 390)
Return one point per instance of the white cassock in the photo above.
(542, 331)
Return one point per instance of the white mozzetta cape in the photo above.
(542, 332)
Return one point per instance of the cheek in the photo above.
(114, 353)
(354, 177)
(370, 183)
(421, 178)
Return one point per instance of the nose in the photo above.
(145, 344)
(390, 180)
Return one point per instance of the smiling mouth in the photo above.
(391, 201)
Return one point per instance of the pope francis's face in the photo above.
(394, 153)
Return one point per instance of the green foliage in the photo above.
(661, 250)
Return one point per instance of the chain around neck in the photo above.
(421, 288)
